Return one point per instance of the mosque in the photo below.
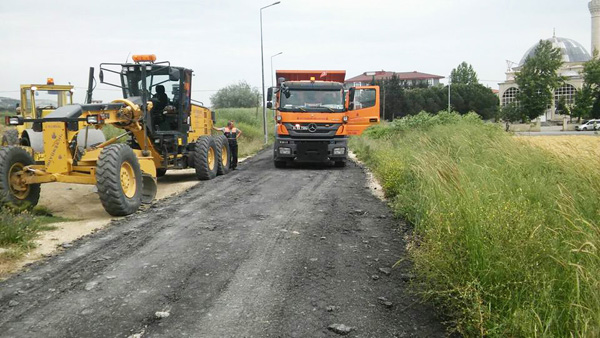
(574, 56)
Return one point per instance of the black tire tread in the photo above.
(7, 155)
(10, 137)
(220, 141)
(111, 194)
(201, 148)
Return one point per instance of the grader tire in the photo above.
(205, 158)
(224, 155)
(10, 138)
(119, 180)
(12, 160)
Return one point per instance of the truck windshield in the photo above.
(303, 100)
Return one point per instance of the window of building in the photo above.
(510, 96)
(568, 92)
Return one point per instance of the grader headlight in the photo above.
(94, 119)
(13, 121)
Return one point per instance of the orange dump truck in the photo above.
(315, 114)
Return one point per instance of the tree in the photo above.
(590, 92)
(538, 78)
(474, 98)
(584, 102)
(239, 95)
(510, 113)
(464, 74)
(392, 94)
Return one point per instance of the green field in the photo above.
(251, 125)
(506, 234)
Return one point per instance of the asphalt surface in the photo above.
(261, 252)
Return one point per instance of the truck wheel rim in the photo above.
(18, 189)
(128, 183)
(224, 155)
(211, 158)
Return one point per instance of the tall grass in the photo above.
(506, 233)
(251, 125)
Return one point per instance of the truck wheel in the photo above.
(10, 137)
(160, 172)
(205, 158)
(12, 190)
(119, 180)
(279, 164)
(224, 155)
(339, 164)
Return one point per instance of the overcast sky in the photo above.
(220, 40)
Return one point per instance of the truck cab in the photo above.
(315, 117)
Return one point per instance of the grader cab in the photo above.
(37, 101)
(163, 129)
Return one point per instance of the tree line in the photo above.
(466, 95)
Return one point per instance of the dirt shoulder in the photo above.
(260, 252)
(82, 204)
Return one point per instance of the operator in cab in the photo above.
(232, 134)
(160, 101)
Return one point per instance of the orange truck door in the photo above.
(363, 110)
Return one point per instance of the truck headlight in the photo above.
(285, 151)
(339, 151)
(278, 118)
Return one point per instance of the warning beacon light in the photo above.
(144, 58)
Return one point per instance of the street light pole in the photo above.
(262, 65)
(449, 93)
(272, 75)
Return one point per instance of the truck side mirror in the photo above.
(351, 92)
(174, 74)
(101, 76)
(270, 94)
(270, 105)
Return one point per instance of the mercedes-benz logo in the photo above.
(312, 127)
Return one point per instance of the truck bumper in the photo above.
(310, 150)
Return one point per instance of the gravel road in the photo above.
(261, 252)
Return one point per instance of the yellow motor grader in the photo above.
(38, 101)
(163, 129)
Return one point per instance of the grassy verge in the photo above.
(251, 126)
(506, 233)
(18, 229)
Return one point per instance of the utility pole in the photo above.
(262, 65)
(449, 92)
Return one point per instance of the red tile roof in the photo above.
(380, 75)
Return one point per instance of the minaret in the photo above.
(594, 7)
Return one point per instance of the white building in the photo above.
(574, 56)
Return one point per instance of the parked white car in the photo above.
(589, 125)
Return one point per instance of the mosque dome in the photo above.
(572, 51)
